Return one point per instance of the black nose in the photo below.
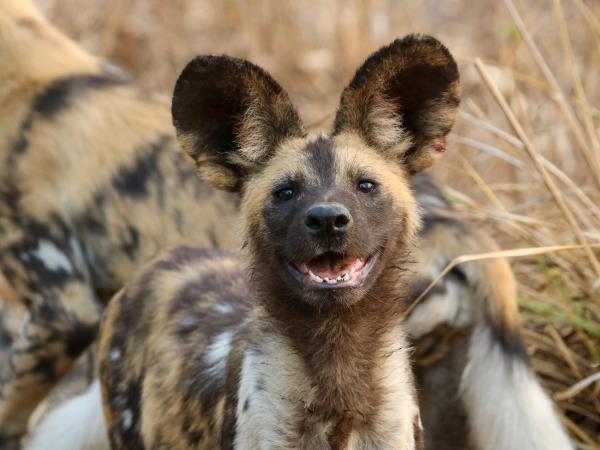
(327, 218)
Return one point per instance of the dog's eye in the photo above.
(285, 194)
(366, 186)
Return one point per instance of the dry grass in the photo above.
(526, 153)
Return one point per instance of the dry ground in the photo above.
(533, 183)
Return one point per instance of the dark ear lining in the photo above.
(403, 100)
(230, 115)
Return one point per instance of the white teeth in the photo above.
(315, 277)
(343, 277)
(325, 280)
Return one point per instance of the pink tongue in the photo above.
(328, 266)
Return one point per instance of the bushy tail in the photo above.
(506, 408)
(78, 424)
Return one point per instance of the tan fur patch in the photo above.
(34, 52)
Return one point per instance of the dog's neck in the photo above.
(344, 347)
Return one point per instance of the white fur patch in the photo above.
(78, 424)
(273, 382)
(224, 308)
(275, 391)
(52, 257)
(114, 354)
(508, 408)
(217, 353)
(127, 419)
(454, 307)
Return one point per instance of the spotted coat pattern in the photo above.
(92, 184)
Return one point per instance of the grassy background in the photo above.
(313, 48)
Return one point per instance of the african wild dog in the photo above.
(79, 168)
(301, 343)
(93, 184)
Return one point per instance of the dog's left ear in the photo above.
(403, 101)
(231, 117)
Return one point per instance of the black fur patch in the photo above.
(131, 242)
(132, 181)
(322, 159)
(44, 369)
(5, 338)
(80, 337)
(10, 193)
(510, 341)
(211, 100)
(418, 79)
(52, 101)
(431, 220)
(418, 285)
(426, 83)
(217, 88)
(57, 95)
(126, 398)
(128, 432)
(400, 47)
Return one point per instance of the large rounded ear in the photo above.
(403, 100)
(230, 116)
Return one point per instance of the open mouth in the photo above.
(333, 270)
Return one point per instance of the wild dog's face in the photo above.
(324, 215)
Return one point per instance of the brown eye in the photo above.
(366, 186)
(285, 193)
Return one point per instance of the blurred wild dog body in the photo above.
(93, 185)
(477, 390)
(299, 345)
(82, 160)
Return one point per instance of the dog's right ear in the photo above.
(403, 101)
(230, 116)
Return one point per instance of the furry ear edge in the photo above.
(230, 115)
(403, 100)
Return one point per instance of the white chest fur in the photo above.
(276, 398)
